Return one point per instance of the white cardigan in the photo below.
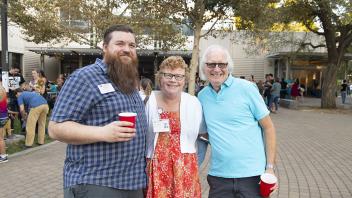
(191, 118)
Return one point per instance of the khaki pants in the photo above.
(7, 128)
(2, 133)
(37, 114)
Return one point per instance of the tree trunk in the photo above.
(328, 97)
(194, 60)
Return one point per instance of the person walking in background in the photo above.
(275, 95)
(38, 109)
(260, 86)
(105, 157)
(172, 167)
(267, 88)
(301, 90)
(145, 89)
(283, 91)
(344, 87)
(295, 90)
(3, 121)
(241, 133)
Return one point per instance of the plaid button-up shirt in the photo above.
(118, 165)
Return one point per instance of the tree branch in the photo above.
(311, 29)
(210, 29)
(312, 45)
(186, 10)
(124, 11)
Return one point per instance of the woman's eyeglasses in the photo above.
(169, 76)
(213, 65)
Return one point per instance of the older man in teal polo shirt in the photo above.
(241, 133)
(38, 109)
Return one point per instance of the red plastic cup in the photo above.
(128, 117)
(267, 181)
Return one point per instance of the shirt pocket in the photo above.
(106, 109)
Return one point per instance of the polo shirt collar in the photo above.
(102, 65)
(228, 82)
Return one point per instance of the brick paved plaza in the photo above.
(314, 160)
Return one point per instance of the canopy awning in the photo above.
(51, 51)
(312, 56)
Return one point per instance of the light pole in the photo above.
(4, 46)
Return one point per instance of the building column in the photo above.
(10, 61)
(42, 62)
(60, 66)
(155, 65)
(287, 68)
(80, 61)
(279, 69)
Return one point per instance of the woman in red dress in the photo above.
(174, 119)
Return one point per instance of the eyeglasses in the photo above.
(213, 65)
(169, 76)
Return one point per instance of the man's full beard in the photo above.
(123, 75)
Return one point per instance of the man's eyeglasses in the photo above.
(213, 65)
(169, 76)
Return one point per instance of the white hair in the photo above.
(203, 60)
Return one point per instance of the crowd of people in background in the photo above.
(274, 89)
(29, 103)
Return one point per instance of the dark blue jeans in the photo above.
(247, 187)
(93, 191)
(275, 100)
(343, 96)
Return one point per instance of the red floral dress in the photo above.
(172, 174)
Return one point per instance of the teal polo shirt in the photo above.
(236, 138)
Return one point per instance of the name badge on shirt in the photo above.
(106, 88)
(161, 125)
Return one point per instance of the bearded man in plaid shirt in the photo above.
(104, 157)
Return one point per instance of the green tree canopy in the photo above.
(84, 21)
(331, 19)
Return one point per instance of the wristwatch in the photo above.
(270, 166)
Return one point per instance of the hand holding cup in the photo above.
(268, 182)
(120, 131)
(128, 117)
